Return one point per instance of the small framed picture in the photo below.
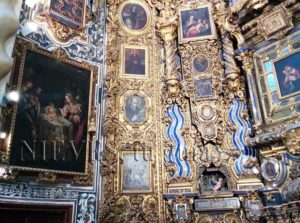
(287, 71)
(200, 64)
(134, 61)
(135, 109)
(135, 169)
(134, 17)
(203, 88)
(196, 24)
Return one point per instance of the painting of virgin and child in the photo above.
(196, 23)
(51, 119)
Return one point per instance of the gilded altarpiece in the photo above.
(175, 94)
(131, 124)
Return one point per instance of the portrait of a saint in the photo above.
(135, 109)
(135, 61)
(134, 16)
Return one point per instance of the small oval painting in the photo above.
(135, 109)
(200, 64)
(134, 16)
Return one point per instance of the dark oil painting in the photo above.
(135, 61)
(288, 74)
(134, 16)
(200, 64)
(51, 119)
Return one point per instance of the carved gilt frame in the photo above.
(211, 21)
(122, 110)
(121, 154)
(130, 31)
(123, 61)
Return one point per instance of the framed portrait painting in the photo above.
(287, 71)
(135, 172)
(135, 109)
(49, 128)
(196, 24)
(134, 61)
(134, 17)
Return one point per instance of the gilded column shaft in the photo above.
(167, 27)
(231, 69)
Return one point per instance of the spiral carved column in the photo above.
(167, 27)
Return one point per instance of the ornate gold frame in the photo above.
(201, 98)
(121, 171)
(20, 50)
(123, 26)
(211, 21)
(123, 59)
(277, 82)
(259, 62)
(122, 112)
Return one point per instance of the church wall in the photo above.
(80, 45)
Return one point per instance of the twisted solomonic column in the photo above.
(167, 27)
(232, 72)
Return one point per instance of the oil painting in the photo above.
(50, 121)
(196, 24)
(135, 171)
(135, 109)
(288, 75)
(134, 17)
(134, 61)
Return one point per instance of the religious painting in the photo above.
(69, 13)
(134, 16)
(135, 109)
(196, 24)
(270, 169)
(134, 61)
(181, 212)
(287, 71)
(203, 88)
(50, 121)
(135, 171)
(212, 180)
(200, 64)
